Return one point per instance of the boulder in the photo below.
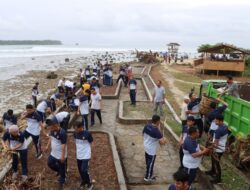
(51, 75)
(66, 59)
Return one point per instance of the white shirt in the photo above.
(159, 94)
(56, 143)
(84, 107)
(69, 84)
(60, 83)
(42, 107)
(61, 115)
(184, 109)
(96, 101)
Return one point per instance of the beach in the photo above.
(21, 67)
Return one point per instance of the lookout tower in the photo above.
(173, 48)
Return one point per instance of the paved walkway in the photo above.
(130, 146)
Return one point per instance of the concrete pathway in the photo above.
(130, 146)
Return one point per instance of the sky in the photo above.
(141, 24)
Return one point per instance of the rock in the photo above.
(51, 75)
(66, 59)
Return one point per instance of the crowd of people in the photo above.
(89, 102)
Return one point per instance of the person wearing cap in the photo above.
(42, 107)
(181, 181)
(63, 118)
(231, 88)
(189, 123)
(57, 160)
(184, 110)
(194, 110)
(132, 90)
(54, 98)
(95, 102)
(83, 140)
(83, 109)
(152, 138)
(14, 141)
(35, 93)
(34, 126)
(95, 84)
(8, 119)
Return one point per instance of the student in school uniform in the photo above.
(152, 140)
(194, 110)
(184, 110)
(34, 127)
(63, 118)
(13, 140)
(60, 85)
(190, 123)
(83, 140)
(8, 119)
(57, 160)
(95, 84)
(35, 93)
(83, 109)
(220, 140)
(132, 90)
(42, 107)
(192, 154)
(87, 72)
(181, 181)
(212, 115)
(54, 98)
(95, 102)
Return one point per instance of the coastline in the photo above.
(16, 92)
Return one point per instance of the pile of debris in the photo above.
(147, 57)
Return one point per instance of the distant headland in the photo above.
(30, 42)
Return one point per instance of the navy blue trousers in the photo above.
(83, 168)
(23, 157)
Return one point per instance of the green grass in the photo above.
(186, 87)
(186, 77)
(247, 71)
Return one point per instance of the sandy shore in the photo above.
(16, 93)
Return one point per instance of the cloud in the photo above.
(130, 23)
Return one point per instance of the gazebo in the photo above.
(221, 57)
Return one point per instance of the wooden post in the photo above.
(217, 73)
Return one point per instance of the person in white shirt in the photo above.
(63, 118)
(192, 154)
(13, 140)
(184, 110)
(60, 85)
(159, 98)
(95, 101)
(81, 76)
(34, 122)
(35, 93)
(83, 109)
(132, 90)
(152, 140)
(83, 140)
(57, 160)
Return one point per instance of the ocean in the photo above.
(17, 60)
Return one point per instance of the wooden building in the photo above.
(221, 57)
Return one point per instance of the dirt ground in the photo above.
(109, 90)
(44, 178)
